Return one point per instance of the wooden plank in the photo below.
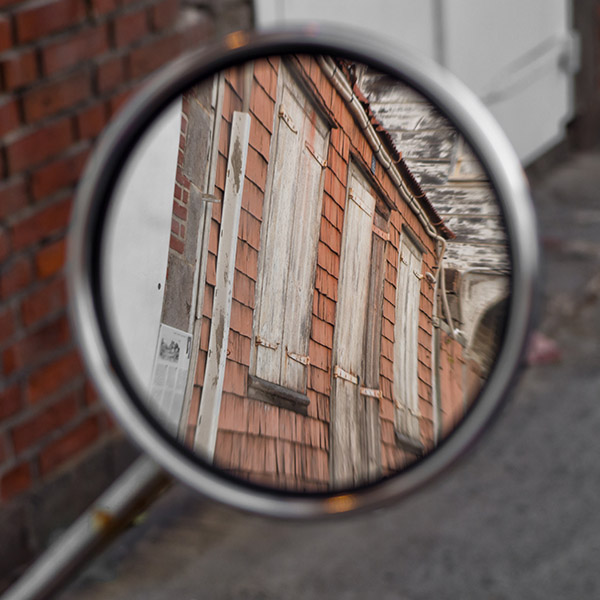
(290, 236)
(206, 433)
(372, 344)
(306, 219)
(406, 328)
(216, 104)
(354, 458)
(276, 233)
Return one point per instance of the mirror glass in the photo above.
(306, 273)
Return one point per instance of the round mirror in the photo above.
(302, 272)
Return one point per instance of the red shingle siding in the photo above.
(271, 444)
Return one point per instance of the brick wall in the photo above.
(66, 66)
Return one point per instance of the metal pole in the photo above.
(132, 492)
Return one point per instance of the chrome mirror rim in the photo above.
(492, 148)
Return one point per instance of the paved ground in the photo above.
(519, 518)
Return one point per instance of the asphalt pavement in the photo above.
(518, 518)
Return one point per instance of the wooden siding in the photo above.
(265, 442)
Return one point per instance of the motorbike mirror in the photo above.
(302, 269)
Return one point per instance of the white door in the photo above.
(517, 55)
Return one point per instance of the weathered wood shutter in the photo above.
(406, 331)
(289, 242)
(355, 452)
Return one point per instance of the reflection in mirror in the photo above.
(307, 273)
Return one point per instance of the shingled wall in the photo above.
(267, 443)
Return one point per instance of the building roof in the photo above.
(413, 185)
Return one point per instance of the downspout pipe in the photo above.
(343, 87)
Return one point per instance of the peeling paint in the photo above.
(236, 164)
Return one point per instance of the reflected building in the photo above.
(477, 262)
(306, 269)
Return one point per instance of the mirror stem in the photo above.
(109, 516)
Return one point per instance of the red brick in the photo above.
(16, 276)
(69, 445)
(5, 33)
(48, 299)
(36, 346)
(15, 481)
(50, 259)
(59, 174)
(7, 324)
(9, 116)
(107, 422)
(74, 49)
(103, 7)
(18, 68)
(110, 74)
(56, 96)
(90, 394)
(40, 425)
(151, 56)
(198, 30)
(42, 223)
(176, 244)
(36, 146)
(47, 16)
(163, 14)
(130, 27)
(13, 197)
(91, 121)
(10, 401)
(116, 102)
(4, 244)
(179, 211)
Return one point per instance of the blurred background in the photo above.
(517, 518)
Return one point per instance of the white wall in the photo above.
(137, 243)
(512, 53)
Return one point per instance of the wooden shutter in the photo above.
(289, 242)
(355, 452)
(406, 330)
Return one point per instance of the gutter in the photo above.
(343, 87)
